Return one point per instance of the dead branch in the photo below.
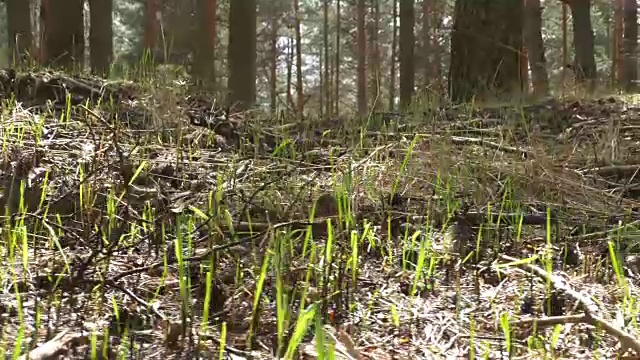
(55, 347)
(590, 316)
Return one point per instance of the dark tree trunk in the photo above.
(394, 46)
(205, 41)
(327, 61)
(585, 61)
(299, 82)
(65, 38)
(427, 67)
(630, 44)
(242, 54)
(535, 47)
(337, 65)
(19, 31)
(101, 36)
(362, 63)
(485, 44)
(273, 53)
(152, 7)
(407, 43)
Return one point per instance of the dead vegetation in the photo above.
(124, 237)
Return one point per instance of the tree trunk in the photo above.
(327, 76)
(242, 54)
(362, 63)
(19, 31)
(485, 44)
(65, 38)
(585, 61)
(394, 46)
(535, 48)
(630, 44)
(338, 31)
(618, 15)
(426, 44)
(290, 56)
(407, 42)
(376, 80)
(152, 7)
(273, 65)
(299, 89)
(101, 36)
(435, 45)
(205, 41)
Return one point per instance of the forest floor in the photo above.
(141, 224)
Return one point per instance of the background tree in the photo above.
(204, 67)
(362, 64)
(19, 30)
(407, 43)
(65, 34)
(535, 46)
(630, 44)
(299, 81)
(485, 43)
(242, 54)
(583, 43)
(101, 36)
(392, 58)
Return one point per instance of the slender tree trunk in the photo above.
(392, 61)
(205, 44)
(535, 47)
(617, 45)
(45, 25)
(427, 75)
(485, 44)
(435, 46)
(375, 56)
(151, 26)
(565, 45)
(327, 77)
(19, 31)
(407, 42)
(338, 31)
(101, 36)
(65, 40)
(273, 66)
(290, 56)
(299, 89)
(585, 61)
(242, 54)
(322, 81)
(362, 54)
(631, 44)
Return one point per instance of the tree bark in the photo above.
(101, 36)
(242, 54)
(407, 43)
(585, 61)
(274, 26)
(362, 63)
(204, 51)
(618, 63)
(535, 47)
(327, 75)
(338, 31)
(427, 73)
(152, 7)
(392, 60)
(19, 31)
(630, 44)
(65, 38)
(374, 49)
(485, 44)
(299, 83)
